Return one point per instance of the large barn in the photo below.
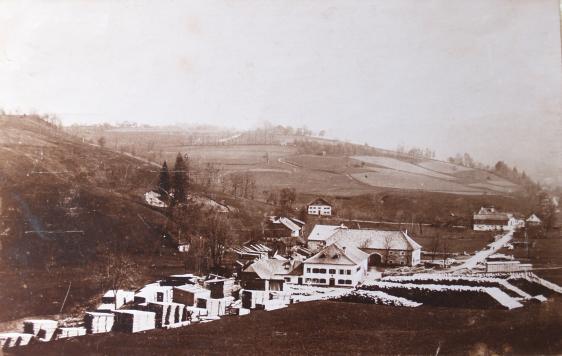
(384, 247)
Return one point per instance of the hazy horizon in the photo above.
(482, 77)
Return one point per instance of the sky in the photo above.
(477, 76)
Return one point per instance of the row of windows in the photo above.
(322, 280)
(396, 253)
(330, 271)
(391, 262)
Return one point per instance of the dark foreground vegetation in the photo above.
(341, 328)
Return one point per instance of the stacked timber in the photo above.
(66, 332)
(8, 340)
(188, 294)
(96, 322)
(133, 321)
(42, 329)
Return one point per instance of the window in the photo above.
(389, 262)
(347, 281)
(322, 280)
(358, 268)
(348, 271)
(315, 270)
(308, 270)
(287, 279)
(307, 280)
(342, 271)
(401, 253)
(341, 281)
(159, 296)
(332, 271)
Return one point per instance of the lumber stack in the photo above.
(96, 322)
(66, 332)
(133, 321)
(42, 329)
(8, 340)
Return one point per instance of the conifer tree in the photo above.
(181, 182)
(164, 183)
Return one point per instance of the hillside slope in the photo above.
(311, 165)
(61, 203)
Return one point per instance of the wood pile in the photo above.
(133, 321)
(14, 339)
(43, 329)
(188, 294)
(66, 332)
(98, 322)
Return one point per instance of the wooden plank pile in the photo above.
(132, 321)
(42, 329)
(66, 332)
(8, 340)
(96, 322)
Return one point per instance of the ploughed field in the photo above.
(339, 327)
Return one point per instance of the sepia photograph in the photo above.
(280, 177)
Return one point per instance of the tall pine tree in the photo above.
(181, 182)
(164, 183)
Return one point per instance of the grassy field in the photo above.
(544, 254)
(341, 328)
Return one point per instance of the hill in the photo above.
(61, 202)
(278, 157)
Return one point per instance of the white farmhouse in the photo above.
(489, 219)
(336, 265)
(319, 207)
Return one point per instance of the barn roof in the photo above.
(335, 254)
(492, 216)
(375, 239)
(272, 268)
(319, 201)
(323, 232)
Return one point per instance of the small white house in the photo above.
(533, 220)
(319, 207)
(336, 265)
(489, 219)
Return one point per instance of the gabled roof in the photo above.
(272, 268)
(487, 210)
(492, 216)
(490, 213)
(335, 254)
(375, 239)
(323, 232)
(291, 225)
(533, 218)
(319, 201)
